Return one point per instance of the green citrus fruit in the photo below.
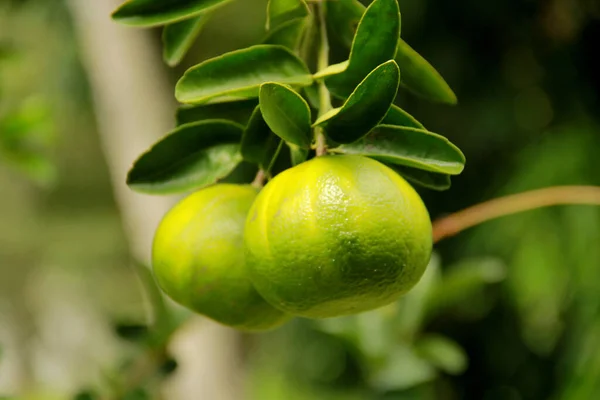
(198, 258)
(336, 235)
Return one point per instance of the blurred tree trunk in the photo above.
(131, 94)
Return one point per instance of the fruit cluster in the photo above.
(334, 231)
(333, 236)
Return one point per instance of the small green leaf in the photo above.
(161, 12)
(332, 69)
(244, 173)
(239, 74)
(342, 19)
(297, 154)
(280, 11)
(311, 94)
(412, 307)
(178, 37)
(365, 107)
(375, 42)
(237, 111)
(462, 281)
(420, 77)
(397, 116)
(417, 74)
(429, 180)
(286, 113)
(287, 34)
(192, 156)
(402, 369)
(443, 353)
(259, 144)
(410, 147)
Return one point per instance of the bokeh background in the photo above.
(507, 310)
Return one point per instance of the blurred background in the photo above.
(507, 310)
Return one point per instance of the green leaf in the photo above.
(417, 74)
(397, 116)
(287, 34)
(259, 143)
(462, 281)
(178, 37)
(237, 111)
(430, 180)
(244, 173)
(420, 77)
(343, 18)
(161, 12)
(332, 69)
(442, 352)
(402, 369)
(311, 94)
(412, 307)
(280, 11)
(239, 74)
(410, 147)
(297, 154)
(375, 42)
(286, 113)
(190, 157)
(366, 106)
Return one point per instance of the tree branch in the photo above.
(477, 214)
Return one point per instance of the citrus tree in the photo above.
(303, 171)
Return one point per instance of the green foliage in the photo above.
(288, 34)
(237, 111)
(397, 116)
(384, 352)
(148, 13)
(420, 77)
(417, 73)
(259, 144)
(280, 11)
(239, 74)
(443, 353)
(365, 108)
(286, 113)
(410, 147)
(375, 42)
(26, 139)
(276, 74)
(178, 37)
(192, 156)
(430, 180)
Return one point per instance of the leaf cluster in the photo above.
(263, 106)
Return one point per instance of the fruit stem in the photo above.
(322, 63)
(503, 206)
(259, 180)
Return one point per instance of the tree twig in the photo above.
(259, 180)
(479, 213)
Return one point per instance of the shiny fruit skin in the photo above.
(336, 235)
(198, 258)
